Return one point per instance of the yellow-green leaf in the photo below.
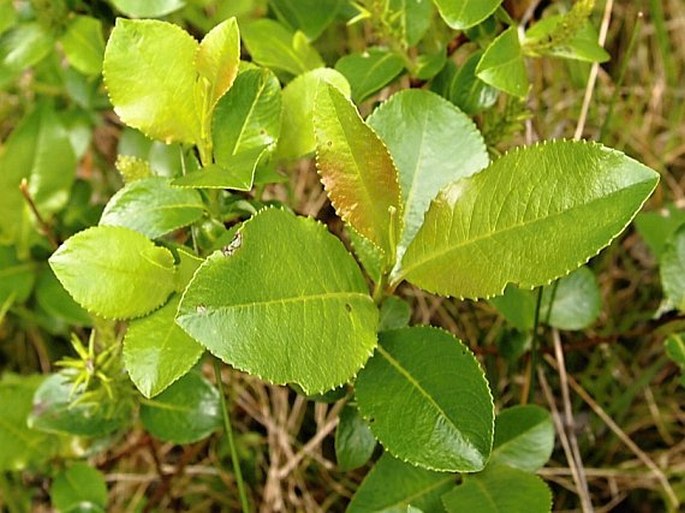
(357, 171)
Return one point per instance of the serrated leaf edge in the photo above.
(403, 458)
(401, 275)
(400, 203)
(218, 253)
(107, 317)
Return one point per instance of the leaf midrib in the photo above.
(406, 501)
(493, 234)
(415, 383)
(293, 299)
(378, 221)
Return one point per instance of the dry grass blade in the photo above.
(643, 456)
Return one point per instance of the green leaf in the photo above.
(429, 64)
(16, 277)
(414, 18)
(462, 14)
(157, 351)
(576, 306)
(577, 301)
(297, 137)
(310, 16)
(293, 305)
(434, 376)
(84, 44)
(153, 207)
(114, 272)
(78, 484)
(354, 442)
(672, 269)
(148, 8)
(272, 45)
(675, 350)
(392, 485)
(23, 46)
(21, 446)
(657, 227)
(147, 92)
(530, 217)
(370, 71)
(57, 302)
(432, 144)
(524, 438)
(187, 411)
(502, 65)
(237, 172)
(463, 88)
(583, 46)
(500, 489)
(8, 15)
(370, 256)
(517, 306)
(55, 411)
(357, 170)
(248, 116)
(38, 150)
(218, 57)
(395, 314)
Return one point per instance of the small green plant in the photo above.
(192, 262)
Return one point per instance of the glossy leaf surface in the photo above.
(392, 485)
(500, 489)
(272, 45)
(672, 269)
(502, 65)
(187, 411)
(354, 442)
(147, 92)
(217, 58)
(293, 305)
(157, 351)
(297, 137)
(248, 117)
(462, 14)
(114, 272)
(533, 215)
(357, 170)
(153, 207)
(432, 144)
(370, 71)
(524, 438)
(431, 374)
